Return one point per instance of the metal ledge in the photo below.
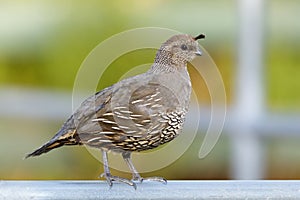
(150, 190)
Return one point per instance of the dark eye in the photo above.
(183, 47)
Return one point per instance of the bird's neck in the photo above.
(166, 62)
(160, 69)
(175, 79)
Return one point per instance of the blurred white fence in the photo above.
(247, 150)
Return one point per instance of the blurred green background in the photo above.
(43, 43)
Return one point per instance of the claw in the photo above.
(155, 178)
(137, 177)
(110, 179)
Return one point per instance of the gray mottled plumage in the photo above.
(135, 114)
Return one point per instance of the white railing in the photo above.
(15, 190)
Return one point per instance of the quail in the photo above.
(136, 114)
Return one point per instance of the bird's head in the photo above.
(178, 50)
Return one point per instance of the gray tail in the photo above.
(60, 139)
(45, 148)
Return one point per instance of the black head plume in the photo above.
(201, 36)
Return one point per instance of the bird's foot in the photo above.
(137, 178)
(110, 179)
(154, 178)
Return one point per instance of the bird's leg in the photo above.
(108, 175)
(135, 175)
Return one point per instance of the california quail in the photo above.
(135, 114)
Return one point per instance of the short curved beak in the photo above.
(198, 53)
